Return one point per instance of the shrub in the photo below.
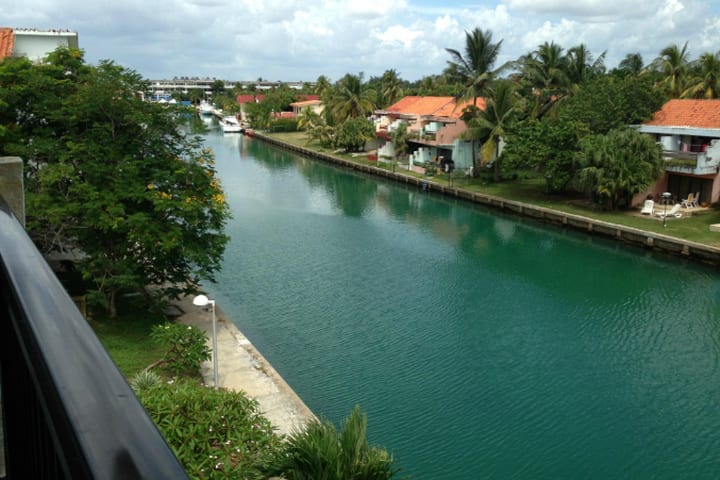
(214, 433)
(284, 125)
(321, 451)
(145, 379)
(185, 347)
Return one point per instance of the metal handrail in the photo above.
(67, 410)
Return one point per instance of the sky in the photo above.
(299, 40)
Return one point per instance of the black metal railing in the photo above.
(67, 411)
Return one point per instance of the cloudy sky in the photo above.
(298, 40)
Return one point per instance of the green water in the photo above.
(481, 345)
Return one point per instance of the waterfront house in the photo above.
(689, 132)
(315, 105)
(434, 127)
(34, 44)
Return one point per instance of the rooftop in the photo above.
(431, 106)
(7, 42)
(688, 113)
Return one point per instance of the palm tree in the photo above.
(673, 63)
(475, 69)
(706, 82)
(632, 64)
(490, 124)
(321, 452)
(350, 98)
(545, 70)
(391, 87)
(581, 67)
(321, 85)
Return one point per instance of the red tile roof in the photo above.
(242, 99)
(7, 42)
(688, 113)
(431, 106)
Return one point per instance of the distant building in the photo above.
(34, 44)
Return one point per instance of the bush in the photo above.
(145, 379)
(284, 125)
(321, 451)
(185, 347)
(214, 433)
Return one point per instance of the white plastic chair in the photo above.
(673, 212)
(688, 202)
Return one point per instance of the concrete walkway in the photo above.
(242, 367)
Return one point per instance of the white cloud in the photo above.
(302, 39)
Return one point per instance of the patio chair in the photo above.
(648, 207)
(673, 212)
(696, 200)
(688, 202)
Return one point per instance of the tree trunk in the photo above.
(112, 307)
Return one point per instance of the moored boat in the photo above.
(230, 124)
(205, 108)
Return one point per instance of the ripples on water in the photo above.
(481, 345)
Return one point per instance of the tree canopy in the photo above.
(112, 177)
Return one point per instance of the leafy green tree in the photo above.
(618, 165)
(353, 134)
(321, 452)
(549, 147)
(113, 177)
(217, 88)
(350, 98)
(608, 102)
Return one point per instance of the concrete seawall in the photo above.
(634, 236)
(241, 367)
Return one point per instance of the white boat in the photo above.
(230, 124)
(205, 108)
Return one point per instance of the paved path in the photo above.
(242, 367)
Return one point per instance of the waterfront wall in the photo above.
(634, 236)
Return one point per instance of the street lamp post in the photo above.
(203, 301)
(666, 196)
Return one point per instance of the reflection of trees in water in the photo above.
(273, 158)
(350, 193)
(577, 264)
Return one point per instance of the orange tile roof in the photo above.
(7, 42)
(305, 103)
(431, 106)
(688, 113)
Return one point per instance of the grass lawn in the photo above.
(127, 337)
(695, 228)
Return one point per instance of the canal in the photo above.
(481, 345)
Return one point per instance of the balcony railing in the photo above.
(67, 412)
(696, 163)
